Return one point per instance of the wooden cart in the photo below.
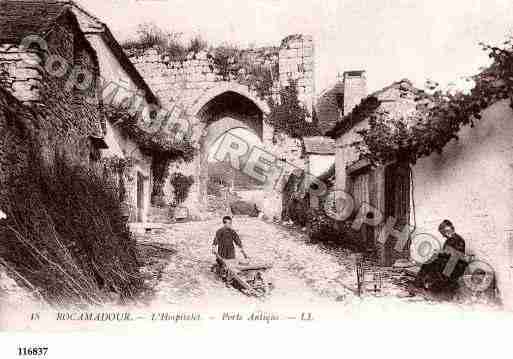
(248, 278)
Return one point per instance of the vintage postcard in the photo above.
(170, 166)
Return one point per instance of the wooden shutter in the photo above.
(361, 186)
(397, 205)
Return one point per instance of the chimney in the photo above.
(355, 89)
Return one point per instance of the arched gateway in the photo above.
(218, 110)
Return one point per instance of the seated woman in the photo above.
(436, 275)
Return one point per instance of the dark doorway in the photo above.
(362, 185)
(397, 205)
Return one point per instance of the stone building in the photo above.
(77, 71)
(386, 188)
(468, 183)
(318, 153)
(121, 83)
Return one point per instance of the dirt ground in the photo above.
(307, 278)
(304, 275)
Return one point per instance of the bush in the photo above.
(65, 236)
(322, 228)
(226, 56)
(289, 116)
(197, 44)
(166, 43)
(181, 185)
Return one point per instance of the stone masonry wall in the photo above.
(185, 81)
(180, 84)
(17, 75)
(67, 116)
(296, 61)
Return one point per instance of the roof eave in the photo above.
(128, 66)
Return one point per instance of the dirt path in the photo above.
(304, 275)
(301, 272)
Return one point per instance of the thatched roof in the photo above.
(20, 18)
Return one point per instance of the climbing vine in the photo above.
(116, 167)
(150, 143)
(439, 116)
(181, 185)
(160, 146)
(289, 116)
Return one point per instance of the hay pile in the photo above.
(65, 238)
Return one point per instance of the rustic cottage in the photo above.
(469, 183)
(72, 74)
(122, 85)
(385, 188)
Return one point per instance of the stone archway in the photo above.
(225, 111)
(216, 111)
(222, 88)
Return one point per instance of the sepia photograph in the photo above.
(184, 167)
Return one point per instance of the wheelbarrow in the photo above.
(244, 276)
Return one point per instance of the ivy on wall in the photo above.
(181, 185)
(160, 146)
(117, 168)
(150, 143)
(439, 116)
(289, 116)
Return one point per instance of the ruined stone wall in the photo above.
(176, 81)
(296, 61)
(181, 86)
(184, 81)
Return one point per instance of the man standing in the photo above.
(224, 240)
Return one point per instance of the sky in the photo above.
(390, 39)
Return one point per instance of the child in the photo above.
(224, 240)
